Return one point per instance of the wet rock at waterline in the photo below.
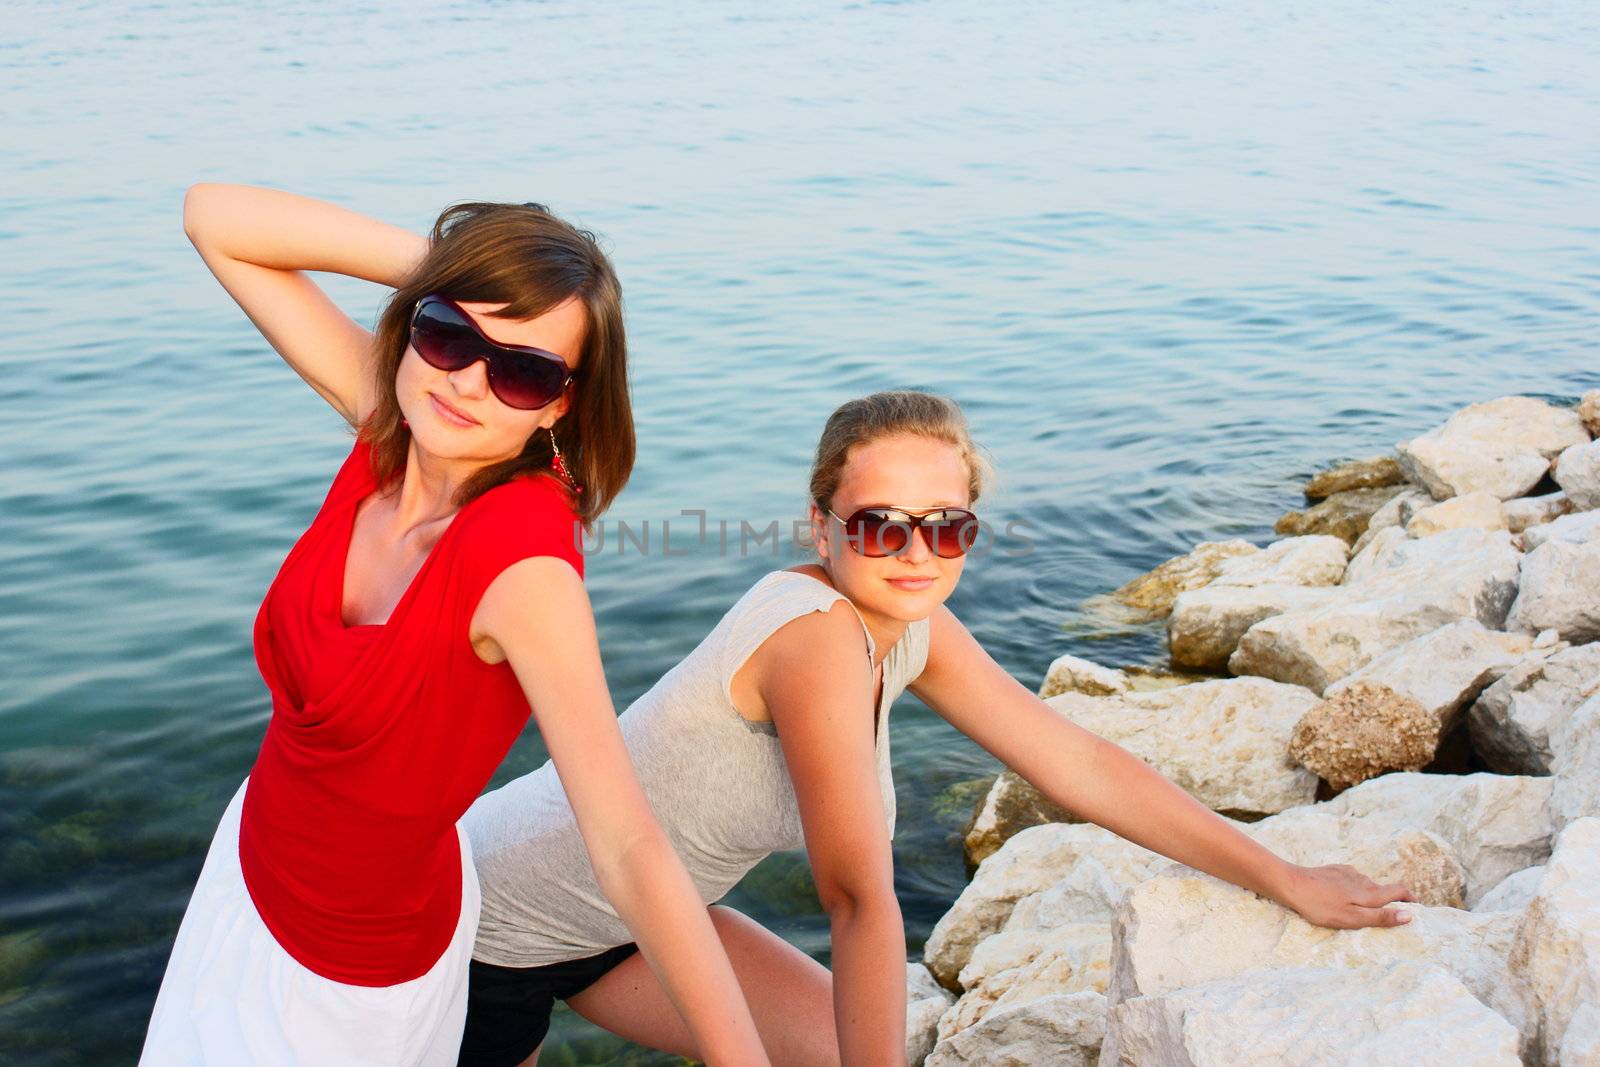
(1374, 472)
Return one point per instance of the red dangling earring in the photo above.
(558, 464)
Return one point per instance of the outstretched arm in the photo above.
(536, 613)
(1102, 782)
(260, 242)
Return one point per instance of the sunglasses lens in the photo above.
(873, 533)
(443, 338)
(524, 380)
(952, 535)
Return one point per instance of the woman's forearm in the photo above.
(285, 231)
(1115, 789)
(869, 982)
(657, 900)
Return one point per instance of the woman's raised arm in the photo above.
(260, 242)
(537, 614)
(1107, 785)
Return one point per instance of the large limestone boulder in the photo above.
(1154, 592)
(1575, 528)
(1502, 447)
(1578, 474)
(1065, 1030)
(1513, 720)
(1317, 559)
(1023, 964)
(1513, 892)
(1343, 515)
(1477, 509)
(1070, 674)
(1225, 742)
(1413, 587)
(1560, 591)
(1392, 714)
(1010, 804)
(1173, 932)
(1527, 511)
(1494, 824)
(1418, 859)
(1370, 473)
(1575, 793)
(926, 1001)
(1398, 1014)
(1206, 624)
(1100, 864)
(1557, 950)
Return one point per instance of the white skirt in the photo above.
(232, 996)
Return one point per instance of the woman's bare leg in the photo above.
(789, 993)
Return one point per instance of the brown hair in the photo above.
(524, 257)
(879, 415)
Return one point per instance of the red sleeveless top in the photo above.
(381, 736)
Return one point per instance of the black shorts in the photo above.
(508, 1008)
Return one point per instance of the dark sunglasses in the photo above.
(878, 532)
(522, 377)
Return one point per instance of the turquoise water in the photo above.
(1170, 257)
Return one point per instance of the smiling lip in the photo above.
(450, 414)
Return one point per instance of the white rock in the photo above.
(1064, 1031)
(1069, 674)
(1315, 559)
(1033, 860)
(1016, 966)
(1206, 624)
(1513, 892)
(1224, 742)
(1397, 1015)
(1578, 474)
(1420, 860)
(1560, 590)
(1442, 670)
(1581, 1045)
(1576, 528)
(1557, 951)
(1526, 511)
(1503, 446)
(1576, 766)
(1477, 509)
(1411, 588)
(1390, 514)
(1513, 720)
(1495, 824)
(926, 1000)
(1172, 932)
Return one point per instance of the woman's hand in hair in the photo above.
(259, 243)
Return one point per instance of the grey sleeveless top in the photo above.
(717, 782)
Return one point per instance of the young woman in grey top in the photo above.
(772, 735)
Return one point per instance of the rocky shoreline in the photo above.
(1408, 681)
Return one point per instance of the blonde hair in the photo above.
(890, 414)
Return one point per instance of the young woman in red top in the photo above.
(434, 602)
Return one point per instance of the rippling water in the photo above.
(1171, 257)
